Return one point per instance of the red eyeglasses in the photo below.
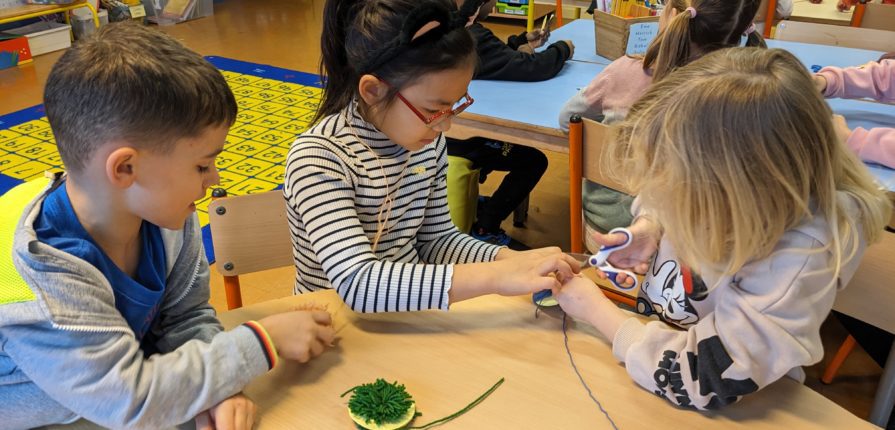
(441, 116)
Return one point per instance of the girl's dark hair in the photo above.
(717, 24)
(376, 37)
(887, 56)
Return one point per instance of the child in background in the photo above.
(783, 10)
(512, 61)
(104, 310)
(875, 80)
(365, 186)
(751, 230)
(688, 29)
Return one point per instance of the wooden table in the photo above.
(821, 13)
(447, 359)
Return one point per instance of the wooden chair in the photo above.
(587, 141)
(837, 35)
(874, 16)
(250, 233)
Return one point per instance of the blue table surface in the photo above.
(536, 103)
(581, 33)
(823, 55)
(860, 113)
(539, 103)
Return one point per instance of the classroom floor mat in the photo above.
(275, 106)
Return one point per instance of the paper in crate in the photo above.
(617, 36)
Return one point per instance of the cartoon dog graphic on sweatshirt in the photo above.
(668, 291)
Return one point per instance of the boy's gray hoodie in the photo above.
(67, 353)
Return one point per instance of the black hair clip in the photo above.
(424, 13)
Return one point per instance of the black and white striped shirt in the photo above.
(334, 189)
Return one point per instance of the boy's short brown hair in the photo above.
(132, 83)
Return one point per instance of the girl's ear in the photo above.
(371, 89)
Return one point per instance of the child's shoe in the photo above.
(498, 237)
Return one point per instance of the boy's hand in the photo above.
(235, 413)
(537, 38)
(535, 270)
(820, 83)
(571, 47)
(300, 335)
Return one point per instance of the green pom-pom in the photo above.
(380, 403)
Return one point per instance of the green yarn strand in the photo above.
(461, 411)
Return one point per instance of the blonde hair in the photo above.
(736, 148)
(718, 24)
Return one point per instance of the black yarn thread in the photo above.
(590, 393)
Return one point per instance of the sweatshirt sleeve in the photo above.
(104, 377)
(873, 80)
(876, 145)
(588, 102)
(516, 40)
(765, 323)
(499, 61)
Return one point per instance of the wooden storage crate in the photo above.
(612, 33)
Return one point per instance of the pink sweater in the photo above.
(611, 93)
(877, 81)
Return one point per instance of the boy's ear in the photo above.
(121, 166)
(371, 89)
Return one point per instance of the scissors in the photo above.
(598, 260)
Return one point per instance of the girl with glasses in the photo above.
(365, 186)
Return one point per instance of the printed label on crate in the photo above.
(639, 37)
(138, 11)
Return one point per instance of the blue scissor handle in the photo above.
(612, 274)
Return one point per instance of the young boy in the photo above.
(104, 310)
(512, 61)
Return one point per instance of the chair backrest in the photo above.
(879, 16)
(250, 233)
(836, 35)
(587, 147)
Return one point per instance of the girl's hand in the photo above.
(841, 127)
(530, 271)
(820, 83)
(636, 256)
(234, 413)
(583, 300)
(580, 298)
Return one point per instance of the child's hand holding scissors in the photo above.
(643, 243)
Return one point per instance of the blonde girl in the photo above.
(754, 214)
